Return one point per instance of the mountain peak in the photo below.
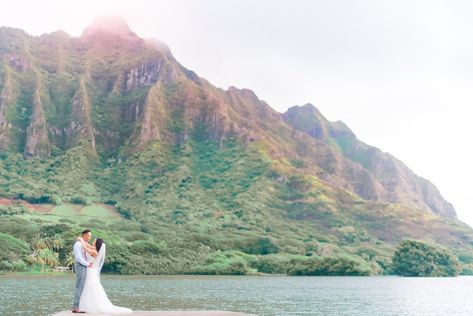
(306, 109)
(108, 33)
(309, 107)
(109, 24)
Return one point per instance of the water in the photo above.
(271, 295)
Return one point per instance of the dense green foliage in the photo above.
(332, 266)
(196, 208)
(416, 258)
(12, 251)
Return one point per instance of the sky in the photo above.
(398, 73)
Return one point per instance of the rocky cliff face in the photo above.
(37, 142)
(4, 125)
(80, 128)
(118, 93)
(383, 177)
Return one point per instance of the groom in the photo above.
(81, 268)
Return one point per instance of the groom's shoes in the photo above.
(76, 310)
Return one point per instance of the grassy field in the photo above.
(75, 211)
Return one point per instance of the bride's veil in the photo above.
(100, 258)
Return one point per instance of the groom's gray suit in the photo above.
(81, 271)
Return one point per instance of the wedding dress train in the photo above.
(93, 298)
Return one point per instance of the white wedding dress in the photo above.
(93, 298)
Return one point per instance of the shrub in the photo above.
(332, 266)
(19, 227)
(468, 270)
(6, 265)
(14, 209)
(11, 248)
(227, 262)
(275, 263)
(19, 265)
(419, 259)
(259, 246)
(145, 247)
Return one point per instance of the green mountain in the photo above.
(109, 131)
(366, 170)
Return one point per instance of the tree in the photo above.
(57, 242)
(44, 257)
(70, 261)
(420, 259)
(49, 257)
(39, 243)
(34, 259)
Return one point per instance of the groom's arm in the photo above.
(78, 254)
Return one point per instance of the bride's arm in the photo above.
(88, 247)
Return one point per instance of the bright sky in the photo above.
(399, 73)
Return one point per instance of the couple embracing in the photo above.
(90, 297)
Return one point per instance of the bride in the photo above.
(93, 298)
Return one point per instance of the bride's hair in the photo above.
(98, 243)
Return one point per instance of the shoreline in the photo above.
(65, 274)
(26, 273)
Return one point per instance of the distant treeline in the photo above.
(32, 244)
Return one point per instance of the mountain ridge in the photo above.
(367, 156)
(117, 120)
(106, 31)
